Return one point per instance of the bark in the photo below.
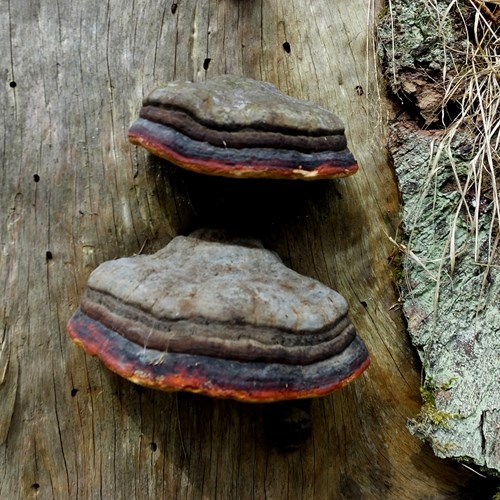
(451, 285)
(75, 193)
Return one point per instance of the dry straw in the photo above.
(475, 87)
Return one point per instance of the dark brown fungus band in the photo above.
(233, 126)
(220, 318)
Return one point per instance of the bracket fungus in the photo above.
(220, 317)
(233, 126)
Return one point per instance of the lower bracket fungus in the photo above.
(220, 317)
(233, 126)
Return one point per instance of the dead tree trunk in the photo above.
(75, 193)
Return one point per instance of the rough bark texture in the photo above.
(453, 315)
(75, 193)
(451, 290)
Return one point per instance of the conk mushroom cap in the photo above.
(220, 318)
(233, 126)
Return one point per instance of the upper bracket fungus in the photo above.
(224, 318)
(233, 126)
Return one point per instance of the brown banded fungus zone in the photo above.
(220, 318)
(233, 126)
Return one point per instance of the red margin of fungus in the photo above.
(239, 170)
(243, 381)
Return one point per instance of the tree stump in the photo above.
(75, 193)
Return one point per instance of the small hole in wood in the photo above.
(74, 392)
(48, 255)
(153, 446)
(12, 85)
(173, 8)
(363, 303)
(206, 63)
(36, 178)
(287, 48)
(35, 486)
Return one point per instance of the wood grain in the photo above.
(74, 193)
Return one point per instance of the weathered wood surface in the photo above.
(74, 193)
